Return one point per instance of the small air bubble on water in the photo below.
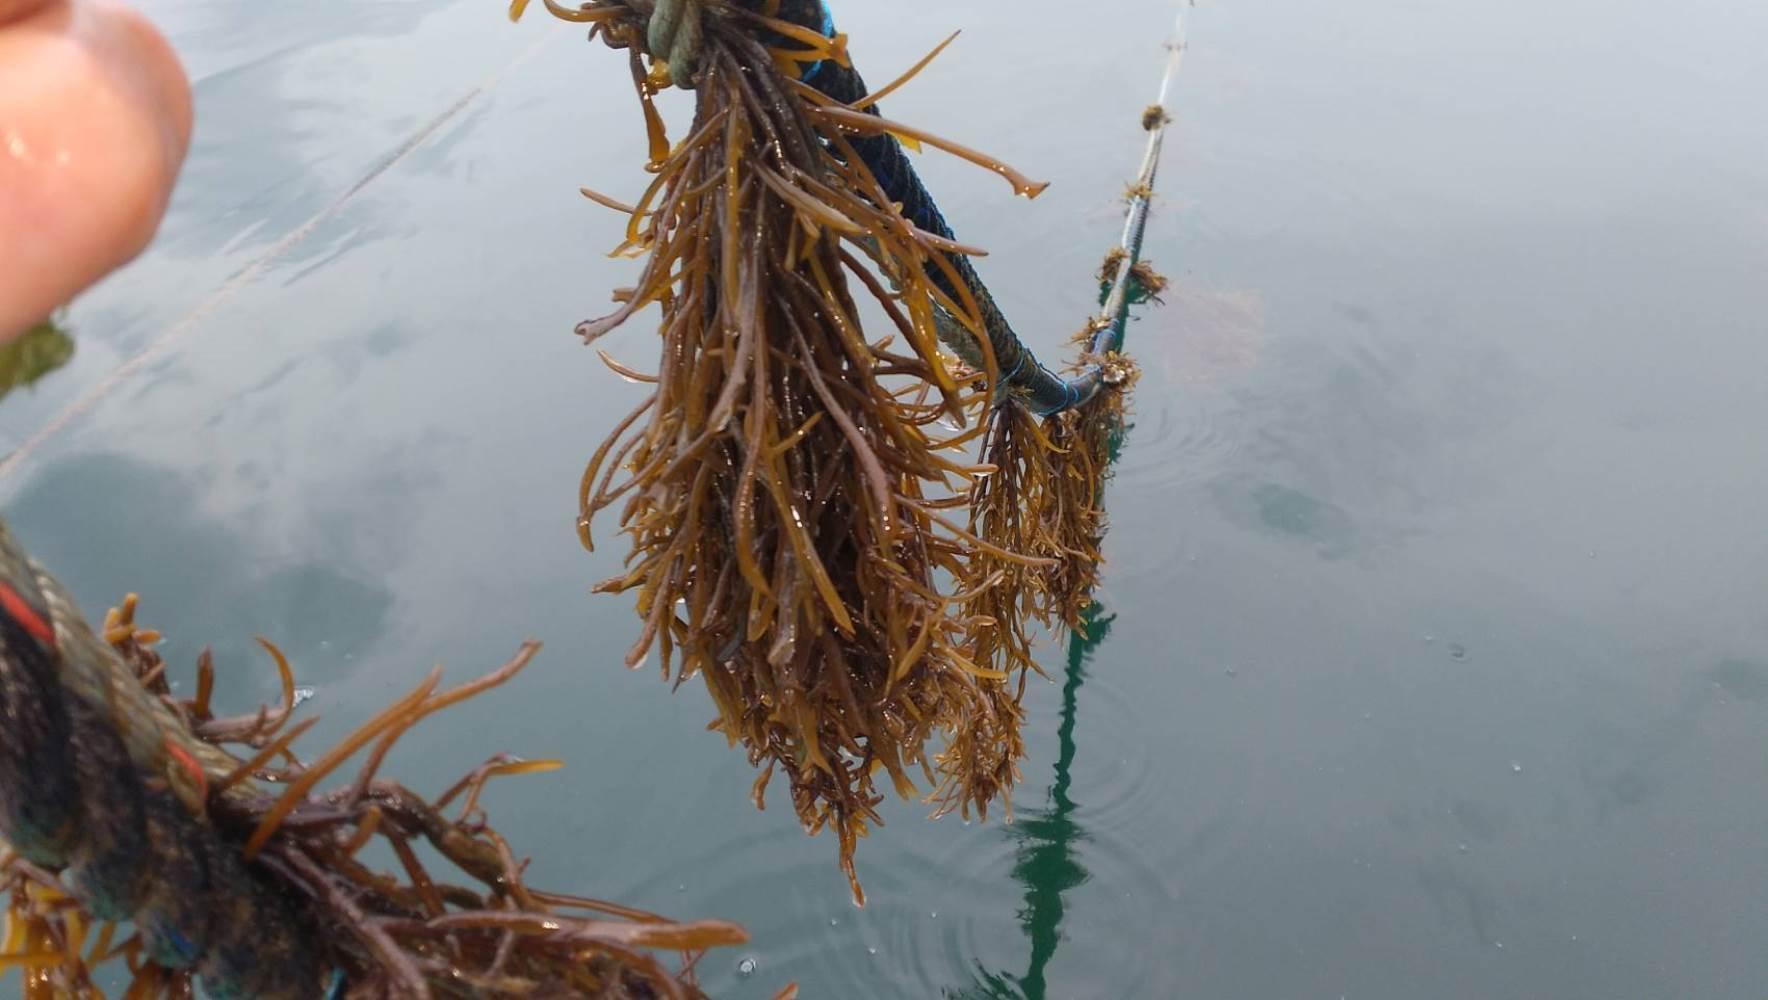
(747, 967)
(1461, 847)
(681, 888)
(303, 694)
(1516, 767)
(934, 914)
(1429, 638)
(1232, 671)
(833, 922)
(874, 951)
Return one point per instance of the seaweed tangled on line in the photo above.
(409, 934)
(795, 492)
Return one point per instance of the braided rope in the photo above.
(1024, 378)
(99, 780)
(111, 794)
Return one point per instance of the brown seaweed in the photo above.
(849, 538)
(408, 932)
(793, 488)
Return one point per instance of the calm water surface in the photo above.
(1434, 659)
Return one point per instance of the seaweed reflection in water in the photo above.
(1048, 864)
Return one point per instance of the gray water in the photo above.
(1437, 659)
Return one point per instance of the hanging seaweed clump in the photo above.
(794, 490)
(1084, 437)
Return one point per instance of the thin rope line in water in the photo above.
(1135, 223)
(1113, 312)
(86, 401)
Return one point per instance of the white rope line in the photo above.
(1144, 188)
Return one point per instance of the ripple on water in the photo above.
(953, 907)
(1175, 441)
(1114, 791)
(780, 891)
(934, 889)
(1195, 340)
(1035, 943)
(987, 910)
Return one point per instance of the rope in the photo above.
(98, 780)
(1029, 381)
(120, 803)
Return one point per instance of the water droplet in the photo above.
(935, 914)
(747, 967)
(1457, 651)
(302, 694)
(834, 922)
(681, 888)
(1515, 767)
(874, 951)
(1498, 943)
(1461, 847)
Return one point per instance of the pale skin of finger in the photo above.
(95, 119)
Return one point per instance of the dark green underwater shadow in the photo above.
(1047, 860)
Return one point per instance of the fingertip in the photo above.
(95, 121)
(13, 10)
(155, 73)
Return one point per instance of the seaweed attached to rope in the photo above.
(146, 833)
(849, 538)
(792, 488)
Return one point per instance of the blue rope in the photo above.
(1034, 386)
(828, 30)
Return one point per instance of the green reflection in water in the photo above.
(1048, 864)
